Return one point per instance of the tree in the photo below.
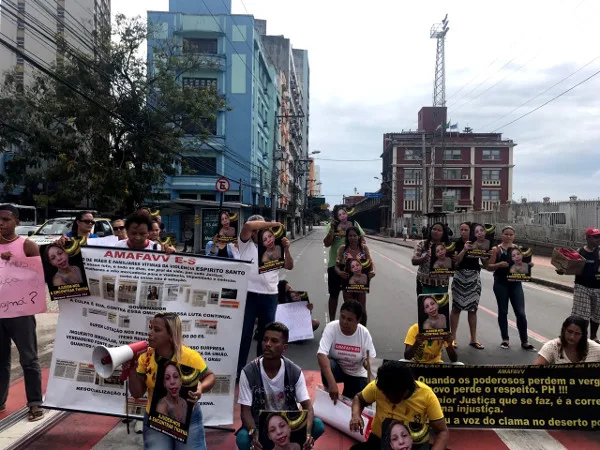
(101, 129)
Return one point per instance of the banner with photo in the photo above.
(519, 267)
(127, 289)
(434, 315)
(482, 240)
(63, 270)
(270, 249)
(442, 260)
(358, 280)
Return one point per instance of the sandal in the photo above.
(2, 408)
(504, 345)
(35, 414)
(528, 347)
(477, 345)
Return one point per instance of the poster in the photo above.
(518, 264)
(442, 260)
(63, 271)
(296, 316)
(227, 232)
(358, 279)
(282, 429)
(560, 397)
(482, 240)
(270, 249)
(338, 416)
(171, 410)
(210, 225)
(127, 288)
(402, 435)
(22, 287)
(434, 315)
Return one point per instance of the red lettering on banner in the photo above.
(131, 255)
(347, 348)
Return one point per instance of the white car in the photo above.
(53, 229)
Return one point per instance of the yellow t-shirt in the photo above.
(429, 352)
(422, 406)
(148, 367)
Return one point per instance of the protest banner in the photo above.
(22, 287)
(270, 249)
(434, 312)
(338, 415)
(442, 260)
(565, 396)
(519, 268)
(63, 271)
(127, 289)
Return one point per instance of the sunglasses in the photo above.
(89, 222)
(118, 228)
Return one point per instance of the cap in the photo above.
(592, 232)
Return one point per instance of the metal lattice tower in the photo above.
(438, 31)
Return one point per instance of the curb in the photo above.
(541, 281)
(308, 233)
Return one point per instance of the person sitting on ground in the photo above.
(343, 350)
(288, 295)
(427, 351)
(273, 383)
(573, 345)
(398, 397)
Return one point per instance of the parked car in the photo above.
(55, 228)
(26, 230)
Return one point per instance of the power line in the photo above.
(346, 160)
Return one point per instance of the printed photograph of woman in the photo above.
(434, 320)
(226, 233)
(282, 430)
(279, 433)
(152, 293)
(172, 404)
(270, 249)
(518, 266)
(433, 315)
(442, 260)
(356, 275)
(397, 437)
(66, 273)
(481, 243)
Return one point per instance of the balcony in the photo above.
(490, 182)
(410, 205)
(462, 182)
(208, 61)
(489, 205)
(413, 182)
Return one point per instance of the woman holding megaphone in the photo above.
(165, 339)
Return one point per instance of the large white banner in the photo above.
(127, 289)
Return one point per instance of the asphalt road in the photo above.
(391, 305)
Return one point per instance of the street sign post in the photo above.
(222, 185)
(373, 195)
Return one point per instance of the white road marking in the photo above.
(528, 440)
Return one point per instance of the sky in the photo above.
(372, 69)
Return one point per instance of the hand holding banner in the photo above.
(338, 416)
(22, 287)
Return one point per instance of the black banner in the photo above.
(565, 396)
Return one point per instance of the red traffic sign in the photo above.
(222, 185)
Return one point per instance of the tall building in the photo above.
(243, 139)
(34, 26)
(461, 170)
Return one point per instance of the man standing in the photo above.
(273, 383)
(21, 330)
(586, 295)
(261, 301)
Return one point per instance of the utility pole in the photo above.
(438, 32)
(274, 174)
(424, 204)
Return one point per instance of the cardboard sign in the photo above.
(227, 229)
(358, 279)
(22, 287)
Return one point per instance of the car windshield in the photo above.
(58, 227)
(24, 230)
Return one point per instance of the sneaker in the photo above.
(527, 346)
(504, 345)
(2, 408)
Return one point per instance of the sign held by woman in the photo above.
(280, 430)
(270, 249)
(519, 264)
(434, 311)
(64, 271)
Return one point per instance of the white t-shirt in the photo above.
(150, 246)
(274, 389)
(264, 283)
(550, 351)
(348, 351)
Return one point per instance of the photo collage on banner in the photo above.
(282, 429)
(171, 410)
(64, 271)
(270, 249)
(519, 268)
(127, 289)
(442, 260)
(482, 240)
(434, 315)
(402, 435)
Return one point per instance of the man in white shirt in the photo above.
(261, 301)
(343, 351)
(273, 383)
(138, 228)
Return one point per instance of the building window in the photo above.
(452, 154)
(488, 194)
(207, 46)
(185, 196)
(412, 153)
(410, 194)
(232, 197)
(451, 193)
(412, 174)
(208, 197)
(491, 154)
(487, 175)
(199, 165)
(202, 83)
(452, 174)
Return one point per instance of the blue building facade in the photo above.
(242, 142)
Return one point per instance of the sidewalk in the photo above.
(544, 272)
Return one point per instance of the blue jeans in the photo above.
(155, 440)
(511, 291)
(352, 385)
(263, 307)
(243, 441)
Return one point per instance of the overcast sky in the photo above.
(372, 67)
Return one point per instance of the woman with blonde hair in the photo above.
(165, 340)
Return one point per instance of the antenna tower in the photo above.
(438, 31)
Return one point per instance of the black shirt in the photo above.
(590, 270)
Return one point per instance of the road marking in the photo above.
(548, 291)
(395, 262)
(528, 440)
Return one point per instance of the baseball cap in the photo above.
(592, 232)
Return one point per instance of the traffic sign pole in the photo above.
(222, 185)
